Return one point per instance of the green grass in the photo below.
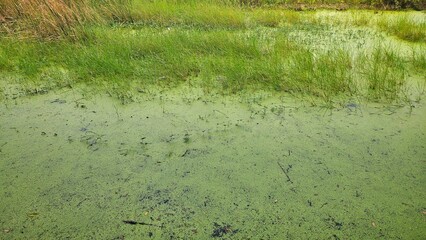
(220, 48)
(314, 3)
(404, 28)
(225, 61)
(419, 59)
(385, 74)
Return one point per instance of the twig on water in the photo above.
(117, 113)
(131, 222)
(285, 172)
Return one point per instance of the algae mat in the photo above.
(178, 166)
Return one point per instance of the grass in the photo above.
(51, 19)
(404, 28)
(210, 44)
(385, 74)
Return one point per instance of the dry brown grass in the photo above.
(51, 19)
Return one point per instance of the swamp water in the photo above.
(181, 165)
(185, 166)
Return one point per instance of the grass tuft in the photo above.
(404, 28)
(385, 74)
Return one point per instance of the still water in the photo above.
(186, 166)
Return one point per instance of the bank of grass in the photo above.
(219, 60)
(205, 15)
(52, 19)
(217, 46)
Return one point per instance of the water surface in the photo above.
(187, 166)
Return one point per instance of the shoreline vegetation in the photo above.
(321, 49)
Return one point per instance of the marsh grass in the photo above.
(52, 19)
(385, 74)
(388, 4)
(224, 61)
(214, 45)
(324, 75)
(404, 27)
(166, 13)
(419, 59)
(408, 26)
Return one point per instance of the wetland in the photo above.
(211, 120)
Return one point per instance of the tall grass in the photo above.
(408, 25)
(225, 61)
(257, 3)
(419, 59)
(50, 19)
(385, 74)
(212, 44)
(167, 13)
(404, 28)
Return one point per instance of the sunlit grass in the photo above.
(52, 19)
(223, 61)
(218, 46)
(385, 74)
(404, 27)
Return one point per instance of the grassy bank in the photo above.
(127, 46)
(50, 19)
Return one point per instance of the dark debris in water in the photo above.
(59, 101)
(220, 230)
(351, 105)
(131, 222)
(333, 223)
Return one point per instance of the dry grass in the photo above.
(51, 19)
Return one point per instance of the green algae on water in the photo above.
(254, 166)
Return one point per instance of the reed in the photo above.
(52, 19)
(385, 74)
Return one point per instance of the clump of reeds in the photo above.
(51, 19)
(404, 28)
(385, 74)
